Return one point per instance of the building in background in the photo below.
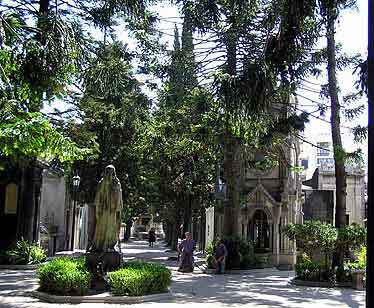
(20, 201)
(52, 209)
(271, 199)
(316, 154)
(317, 160)
(320, 197)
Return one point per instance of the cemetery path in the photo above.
(261, 288)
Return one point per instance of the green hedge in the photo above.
(64, 276)
(138, 278)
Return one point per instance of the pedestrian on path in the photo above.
(219, 257)
(186, 249)
(151, 237)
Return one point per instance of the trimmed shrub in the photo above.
(23, 253)
(64, 276)
(139, 278)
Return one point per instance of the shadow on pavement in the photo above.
(263, 289)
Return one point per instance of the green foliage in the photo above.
(352, 237)
(37, 62)
(65, 276)
(362, 257)
(43, 52)
(23, 253)
(32, 135)
(240, 254)
(138, 278)
(209, 251)
(313, 236)
(345, 273)
(115, 113)
(360, 263)
(314, 271)
(183, 156)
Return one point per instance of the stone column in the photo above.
(28, 209)
(277, 214)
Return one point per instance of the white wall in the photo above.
(52, 205)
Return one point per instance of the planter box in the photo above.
(321, 284)
(106, 298)
(27, 267)
(306, 283)
(358, 279)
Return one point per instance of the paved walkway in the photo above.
(261, 288)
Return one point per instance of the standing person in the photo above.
(186, 249)
(219, 257)
(151, 237)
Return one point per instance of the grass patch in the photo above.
(140, 278)
(65, 276)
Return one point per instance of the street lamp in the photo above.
(76, 181)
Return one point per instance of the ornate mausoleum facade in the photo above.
(269, 201)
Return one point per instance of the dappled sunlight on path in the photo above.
(261, 288)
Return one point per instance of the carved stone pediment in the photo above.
(261, 197)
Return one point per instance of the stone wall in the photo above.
(52, 209)
(319, 205)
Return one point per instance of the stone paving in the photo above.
(259, 288)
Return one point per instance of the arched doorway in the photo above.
(260, 232)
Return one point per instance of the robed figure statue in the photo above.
(108, 207)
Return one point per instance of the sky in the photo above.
(352, 32)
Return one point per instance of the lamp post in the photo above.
(370, 187)
(76, 181)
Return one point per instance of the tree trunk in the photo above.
(370, 175)
(340, 175)
(187, 213)
(27, 211)
(174, 236)
(232, 176)
(168, 231)
(43, 7)
(231, 165)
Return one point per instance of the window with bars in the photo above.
(323, 148)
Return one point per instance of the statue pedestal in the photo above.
(99, 264)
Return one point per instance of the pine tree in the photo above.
(330, 13)
(252, 66)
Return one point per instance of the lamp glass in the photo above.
(76, 180)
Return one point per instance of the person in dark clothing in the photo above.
(151, 237)
(219, 257)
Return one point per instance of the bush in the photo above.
(138, 278)
(360, 264)
(313, 236)
(314, 271)
(23, 253)
(65, 276)
(209, 251)
(361, 261)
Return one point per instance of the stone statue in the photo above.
(108, 204)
